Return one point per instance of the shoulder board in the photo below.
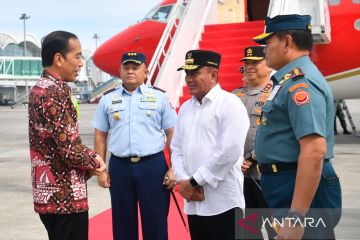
(159, 89)
(296, 72)
(108, 91)
(240, 89)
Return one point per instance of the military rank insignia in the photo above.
(296, 72)
(301, 97)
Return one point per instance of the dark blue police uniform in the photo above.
(301, 104)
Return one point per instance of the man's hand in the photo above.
(102, 167)
(185, 189)
(104, 180)
(189, 192)
(198, 194)
(289, 231)
(245, 166)
(169, 179)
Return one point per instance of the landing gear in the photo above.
(348, 115)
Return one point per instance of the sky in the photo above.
(82, 17)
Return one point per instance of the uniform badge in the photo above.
(116, 116)
(148, 99)
(249, 52)
(260, 104)
(148, 114)
(264, 120)
(301, 97)
(298, 85)
(257, 121)
(240, 94)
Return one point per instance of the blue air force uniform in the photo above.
(137, 166)
(301, 104)
(136, 121)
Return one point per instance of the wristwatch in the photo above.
(250, 157)
(193, 182)
(296, 218)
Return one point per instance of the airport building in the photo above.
(20, 68)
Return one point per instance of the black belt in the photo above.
(136, 159)
(278, 167)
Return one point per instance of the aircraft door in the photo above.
(257, 9)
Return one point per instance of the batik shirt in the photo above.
(59, 161)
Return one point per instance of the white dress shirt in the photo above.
(208, 144)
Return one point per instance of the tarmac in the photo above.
(19, 221)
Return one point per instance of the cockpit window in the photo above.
(334, 2)
(159, 13)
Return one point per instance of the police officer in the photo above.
(254, 95)
(294, 142)
(138, 117)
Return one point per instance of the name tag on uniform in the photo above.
(116, 98)
(274, 92)
(148, 98)
(116, 101)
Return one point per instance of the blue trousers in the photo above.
(139, 184)
(278, 189)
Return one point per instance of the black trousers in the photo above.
(217, 227)
(255, 203)
(66, 226)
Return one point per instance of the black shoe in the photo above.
(346, 132)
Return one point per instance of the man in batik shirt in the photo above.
(60, 163)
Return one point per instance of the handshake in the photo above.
(100, 170)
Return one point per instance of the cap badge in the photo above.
(189, 61)
(249, 52)
(189, 55)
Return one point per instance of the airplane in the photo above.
(339, 61)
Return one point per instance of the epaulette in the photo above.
(239, 89)
(159, 89)
(108, 91)
(293, 74)
(296, 72)
(240, 92)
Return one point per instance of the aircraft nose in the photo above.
(141, 37)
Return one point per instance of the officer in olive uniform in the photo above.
(254, 95)
(294, 142)
(138, 117)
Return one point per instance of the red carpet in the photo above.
(229, 40)
(101, 229)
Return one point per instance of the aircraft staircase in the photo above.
(229, 40)
(97, 92)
